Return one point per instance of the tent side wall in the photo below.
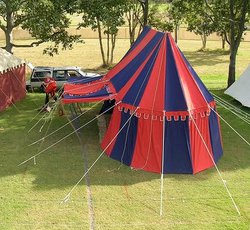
(12, 86)
(189, 144)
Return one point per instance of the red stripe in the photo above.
(201, 159)
(124, 62)
(80, 100)
(194, 97)
(148, 149)
(154, 93)
(81, 89)
(131, 81)
(113, 129)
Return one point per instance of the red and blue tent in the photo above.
(165, 119)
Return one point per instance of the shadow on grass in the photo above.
(62, 165)
(208, 58)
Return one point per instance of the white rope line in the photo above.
(215, 165)
(66, 136)
(40, 146)
(66, 123)
(44, 106)
(44, 115)
(10, 101)
(232, 106)
(162, 162)
(231, 127)
(67, 197)
(236, 111)
(19, 81)
(233, 112)
(133, 104)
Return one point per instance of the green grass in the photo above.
(211, 66)
(122, 199)
(30, 195)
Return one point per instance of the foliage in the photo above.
(46, 21)
(159, 18)
(233, 16)
(104, 16)
(194, 14)
(134, 17)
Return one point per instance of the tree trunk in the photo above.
(204, 41)
(176, 33)
(113, 40)
(235, 37)
(145, 21)
(8, 41)
(108, 46)
(231, 73)
(223, 41)
(9, 28)
(144, 5)
(100, 42)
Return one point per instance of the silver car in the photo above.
(60, 75)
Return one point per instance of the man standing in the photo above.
(49, 86)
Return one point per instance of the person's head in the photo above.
(47, 78)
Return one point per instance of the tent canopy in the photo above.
(8, 60)
(165, 119)
(240, 89)
(12, 79)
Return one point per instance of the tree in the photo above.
(233, 16)
(158, 17)
(195, 15)
(46, 21)
(105, 17)
(134, 14)
(145, 7)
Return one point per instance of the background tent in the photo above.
(12, 79)
(165, 119)
(240, 90)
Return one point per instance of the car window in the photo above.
(73, 73)
(40, 74)
(60, 75)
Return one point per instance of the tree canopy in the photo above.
(46, 21)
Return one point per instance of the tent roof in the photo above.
(154, 76)
(240, 89)
(8, 60)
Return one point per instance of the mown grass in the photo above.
(211, 65)
(30, 194)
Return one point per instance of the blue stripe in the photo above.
(202, 87)
(125, 143)
(101, 93)
(177, 153)
(121, 78)
(174, 96)
(136, 91)
(215, 136)
(82, 80)
(142, 35)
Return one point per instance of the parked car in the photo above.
(60, 74)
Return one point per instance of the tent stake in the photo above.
(162, 162)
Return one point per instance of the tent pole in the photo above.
(162, 162)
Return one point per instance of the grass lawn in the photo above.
(30, 194)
